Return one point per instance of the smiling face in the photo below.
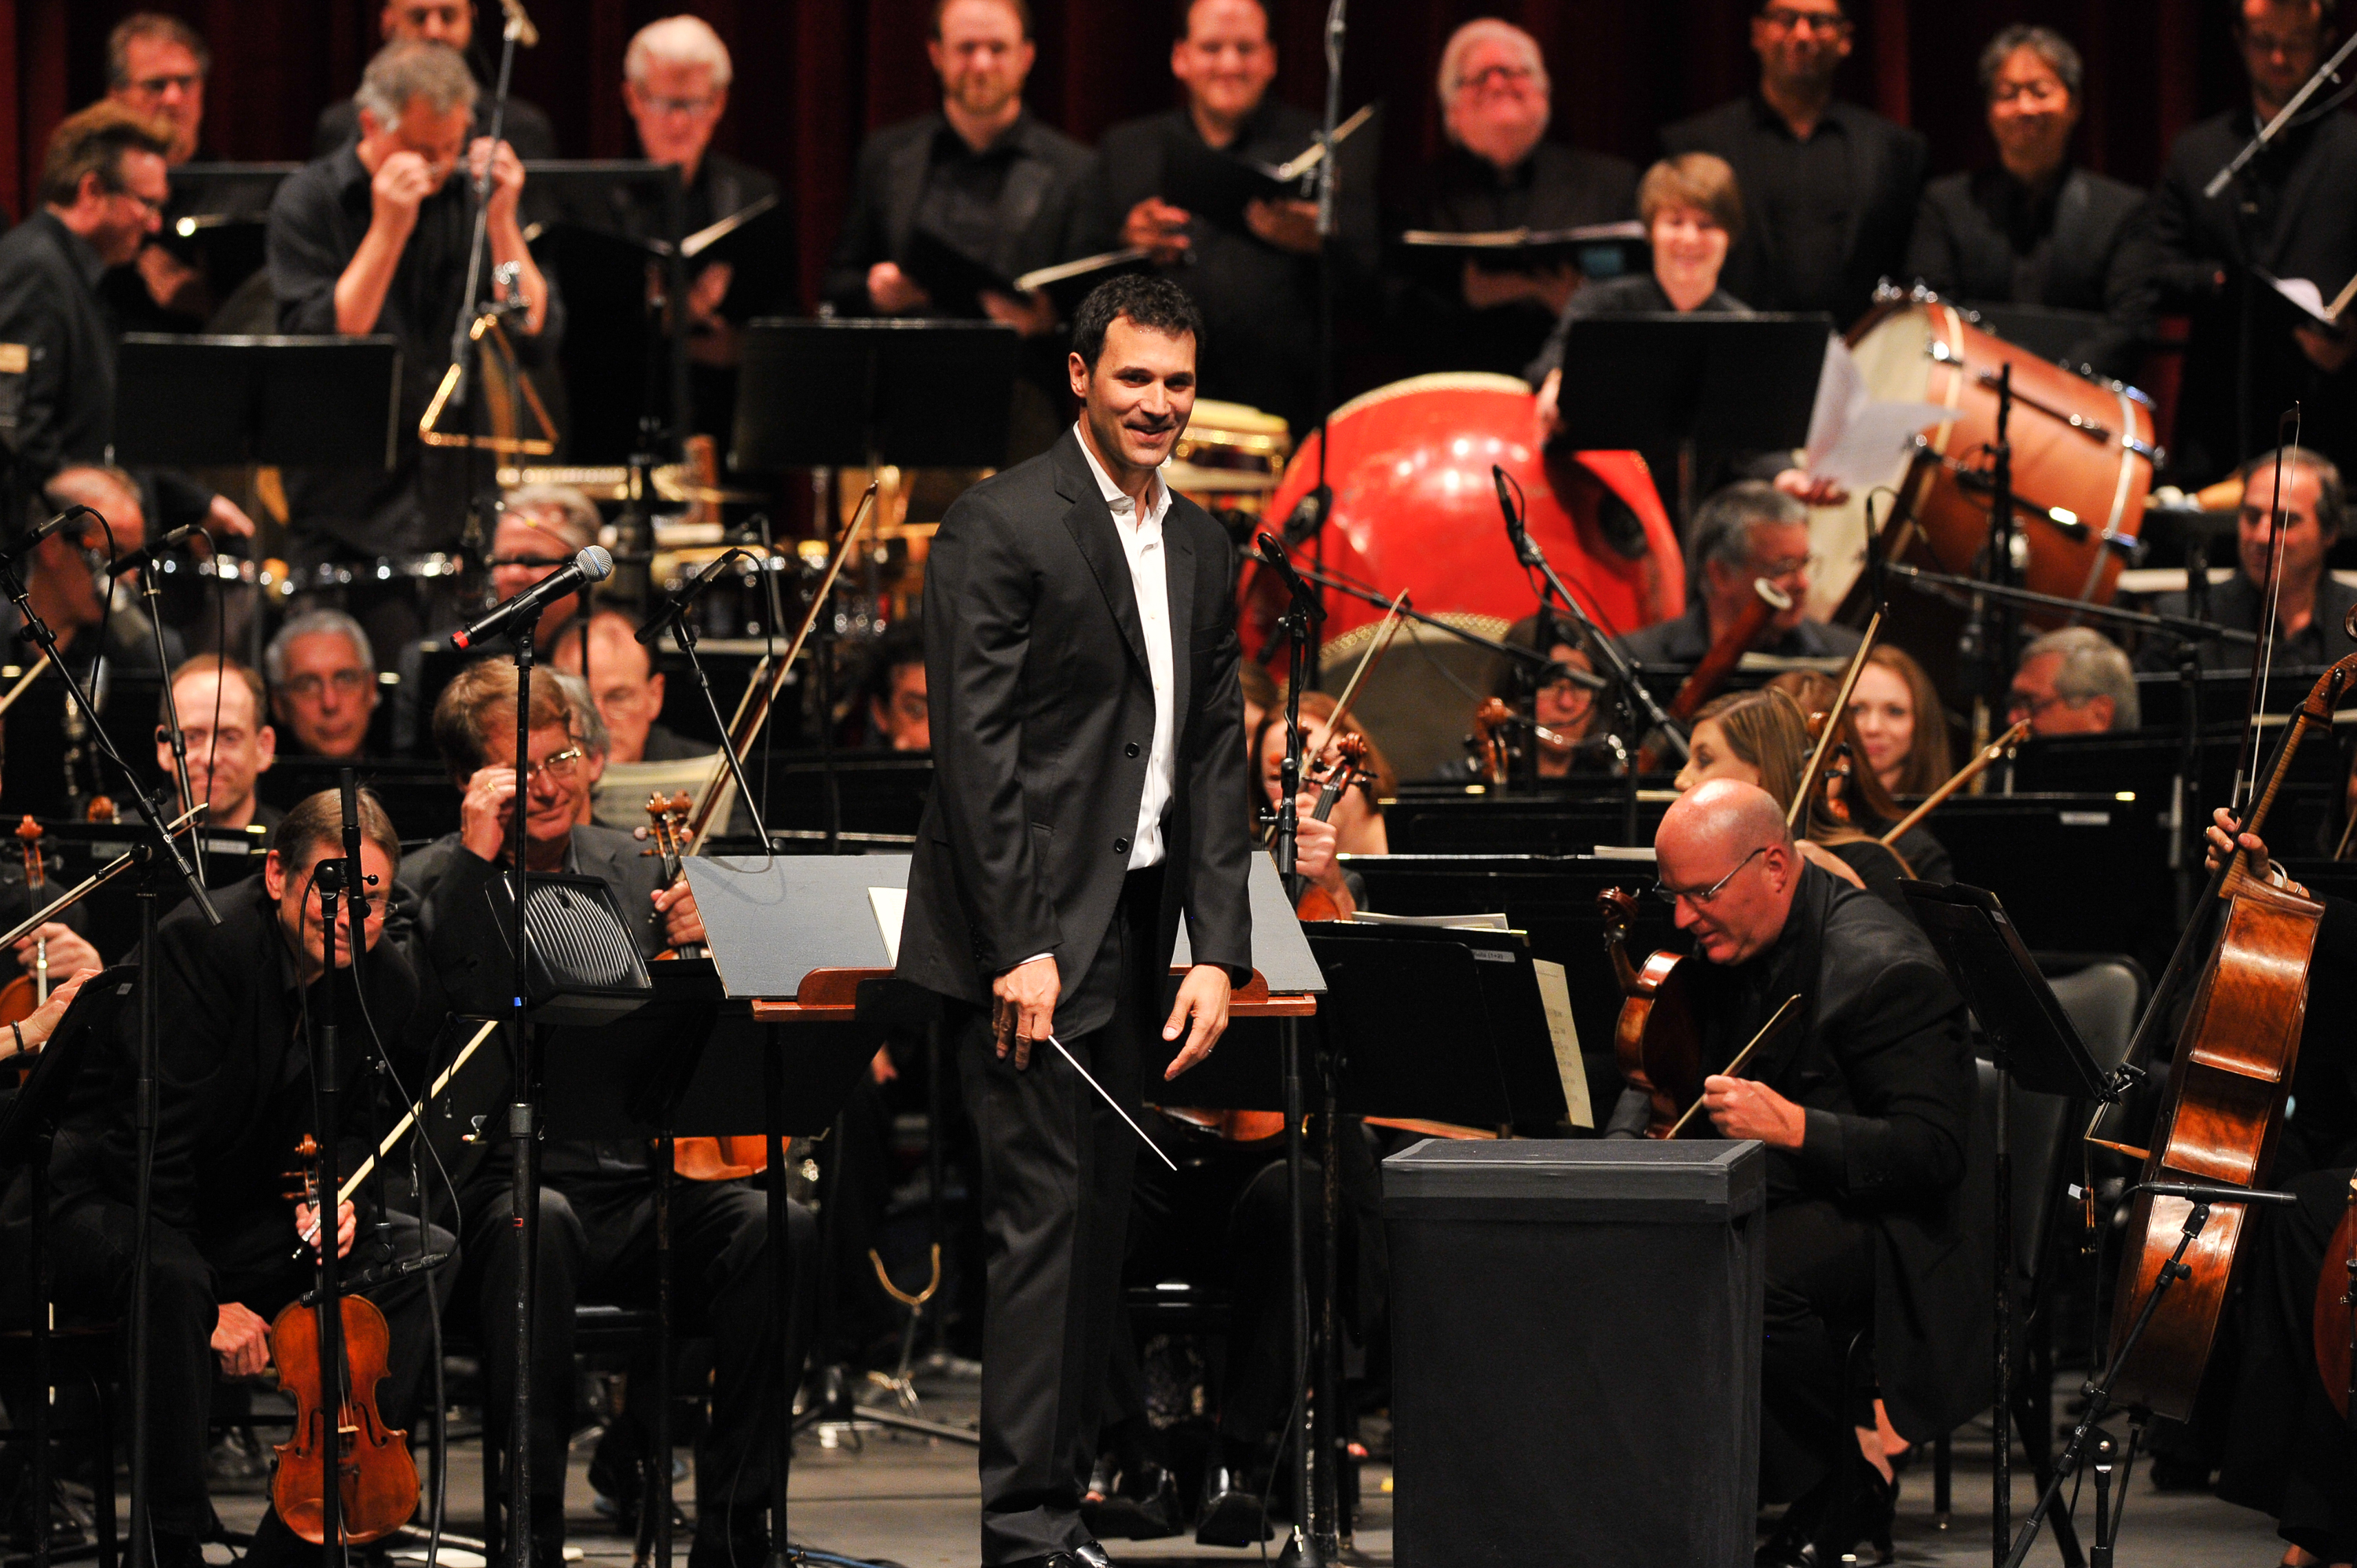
(295, 890)
(1500, 109)
(1225, 61)
(558, 785)
(229, 746)
(1801, 44)
(2031, 114)
(982, 57)
(1882, 711)
(1138, 397)
(1689, 250)
(676, 108)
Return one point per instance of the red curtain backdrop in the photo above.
(813, 76)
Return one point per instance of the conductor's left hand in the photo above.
(1204, 993)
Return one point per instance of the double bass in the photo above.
(2233, 1068)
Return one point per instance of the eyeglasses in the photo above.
(157, 86)
(1784, 567)
(1496, 77)
(686, 108)
(1785, 19)
(154, 204)
(346, 682)
(559, 766)
(1669, 895)
(2022, 706)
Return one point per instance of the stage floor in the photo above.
(878, 1496)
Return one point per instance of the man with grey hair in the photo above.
(323, 688)
(540, 529)
(373, 239)
(2037, 230)
(452, 22)
(2073, 681)
(1500, 172)
(1748, 541)
(2312, 605)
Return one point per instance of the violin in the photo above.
(1349, 766)
(28, 993)
(376, 1477)
(2237, 1050)
(666, 829)
(1493, 742)
(1766, 602)
(697, 1159)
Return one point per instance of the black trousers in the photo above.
(1820, 1296)
(2288, 1453)
(246, 1258)
(1055, 1165)
(598, 1242)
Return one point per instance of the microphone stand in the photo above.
(1514, 650)
(523, 1177)
(158, 850)
(332, 876)
(180, 740)
(463, 349)
(1310, 517)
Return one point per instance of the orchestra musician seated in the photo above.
(1865, 1108)
(626, 685)
(2312, 605)
(1749, 533)
(597, 1215)
(57, 942)
(597, 741)
(1899, 720)
(230, 741)
(1354, 826)
(323, 685)
(542, 528)
(2073, 681)
(1853, 796)
(897, 719)
(1558, 716)
(62, 582)
(228, 1248)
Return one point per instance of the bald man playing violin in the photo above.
(1864, 1103)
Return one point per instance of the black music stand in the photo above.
(227, 402)
(27, 1135)
(1746, 382)
(866, 391)
(2030, 1041)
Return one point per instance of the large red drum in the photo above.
(1415, 508)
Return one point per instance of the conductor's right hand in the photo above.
(403, 181)
(483, 812)
(1022, 1008)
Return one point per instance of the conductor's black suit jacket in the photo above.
(1043, 721)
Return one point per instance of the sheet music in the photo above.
(1554, 991)
(1852, 437)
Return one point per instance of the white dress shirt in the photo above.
(1141, 540)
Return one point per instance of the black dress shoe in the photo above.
(1232, 1515)
(1143, 1506)
(1863, 1509)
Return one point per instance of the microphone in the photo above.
(1272, 555)
(592, 565)
(1526, 550)
(1308, 514)
(25, 546)
(148, 555)
(2211, 1192)
(677, 604)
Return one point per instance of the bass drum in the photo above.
(1415, 508)
(2083, 457)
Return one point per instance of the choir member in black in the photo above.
(2312, 606)
(676, 75)
(238, 1003)
(1500, 172)
(2073, 681)
(2037, 229)
(103, 192)
(988, 177)
(230, 741)
(2287, 214)
(372, 238)
(1257, 289)
(1749, 532)
(1829, 188)
(1865, 1108)
(597, 1200)
(156, 67)
(527, 128)
(323, 685)
(626, 686)
(2282, 1448)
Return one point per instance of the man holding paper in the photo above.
(1087, 719)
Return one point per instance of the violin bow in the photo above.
(1797, 812)
(24, 682)
(2246, 773)
(1384, 631)
(1768, 1031)
(1987, 756)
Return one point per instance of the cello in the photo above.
(2235, 1054)
(376, 1477)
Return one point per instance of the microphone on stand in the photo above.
(1272, 555)
(677, 604)
(592, 565)
(1526, 550)
(24, 546)
(146, 556)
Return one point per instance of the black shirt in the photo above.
(1259, 303)
(1556, 188)
(317, 223)
(1825, 218)
(1986, 238)
(57, 351)
(2236, 603)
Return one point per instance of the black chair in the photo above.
(89, 1354)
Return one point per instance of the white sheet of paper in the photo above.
(1554, 991)
(1853, 439)
(2300, 292)
(891, 906)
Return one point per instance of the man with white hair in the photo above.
(373, 239)
(323, 687)
(1257, 288)
(1500, 172)
(1865, 1104)
(676, 80)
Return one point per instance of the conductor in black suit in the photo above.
(1829, 188)
(1088, 731)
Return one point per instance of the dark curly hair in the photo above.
(1156, 304)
